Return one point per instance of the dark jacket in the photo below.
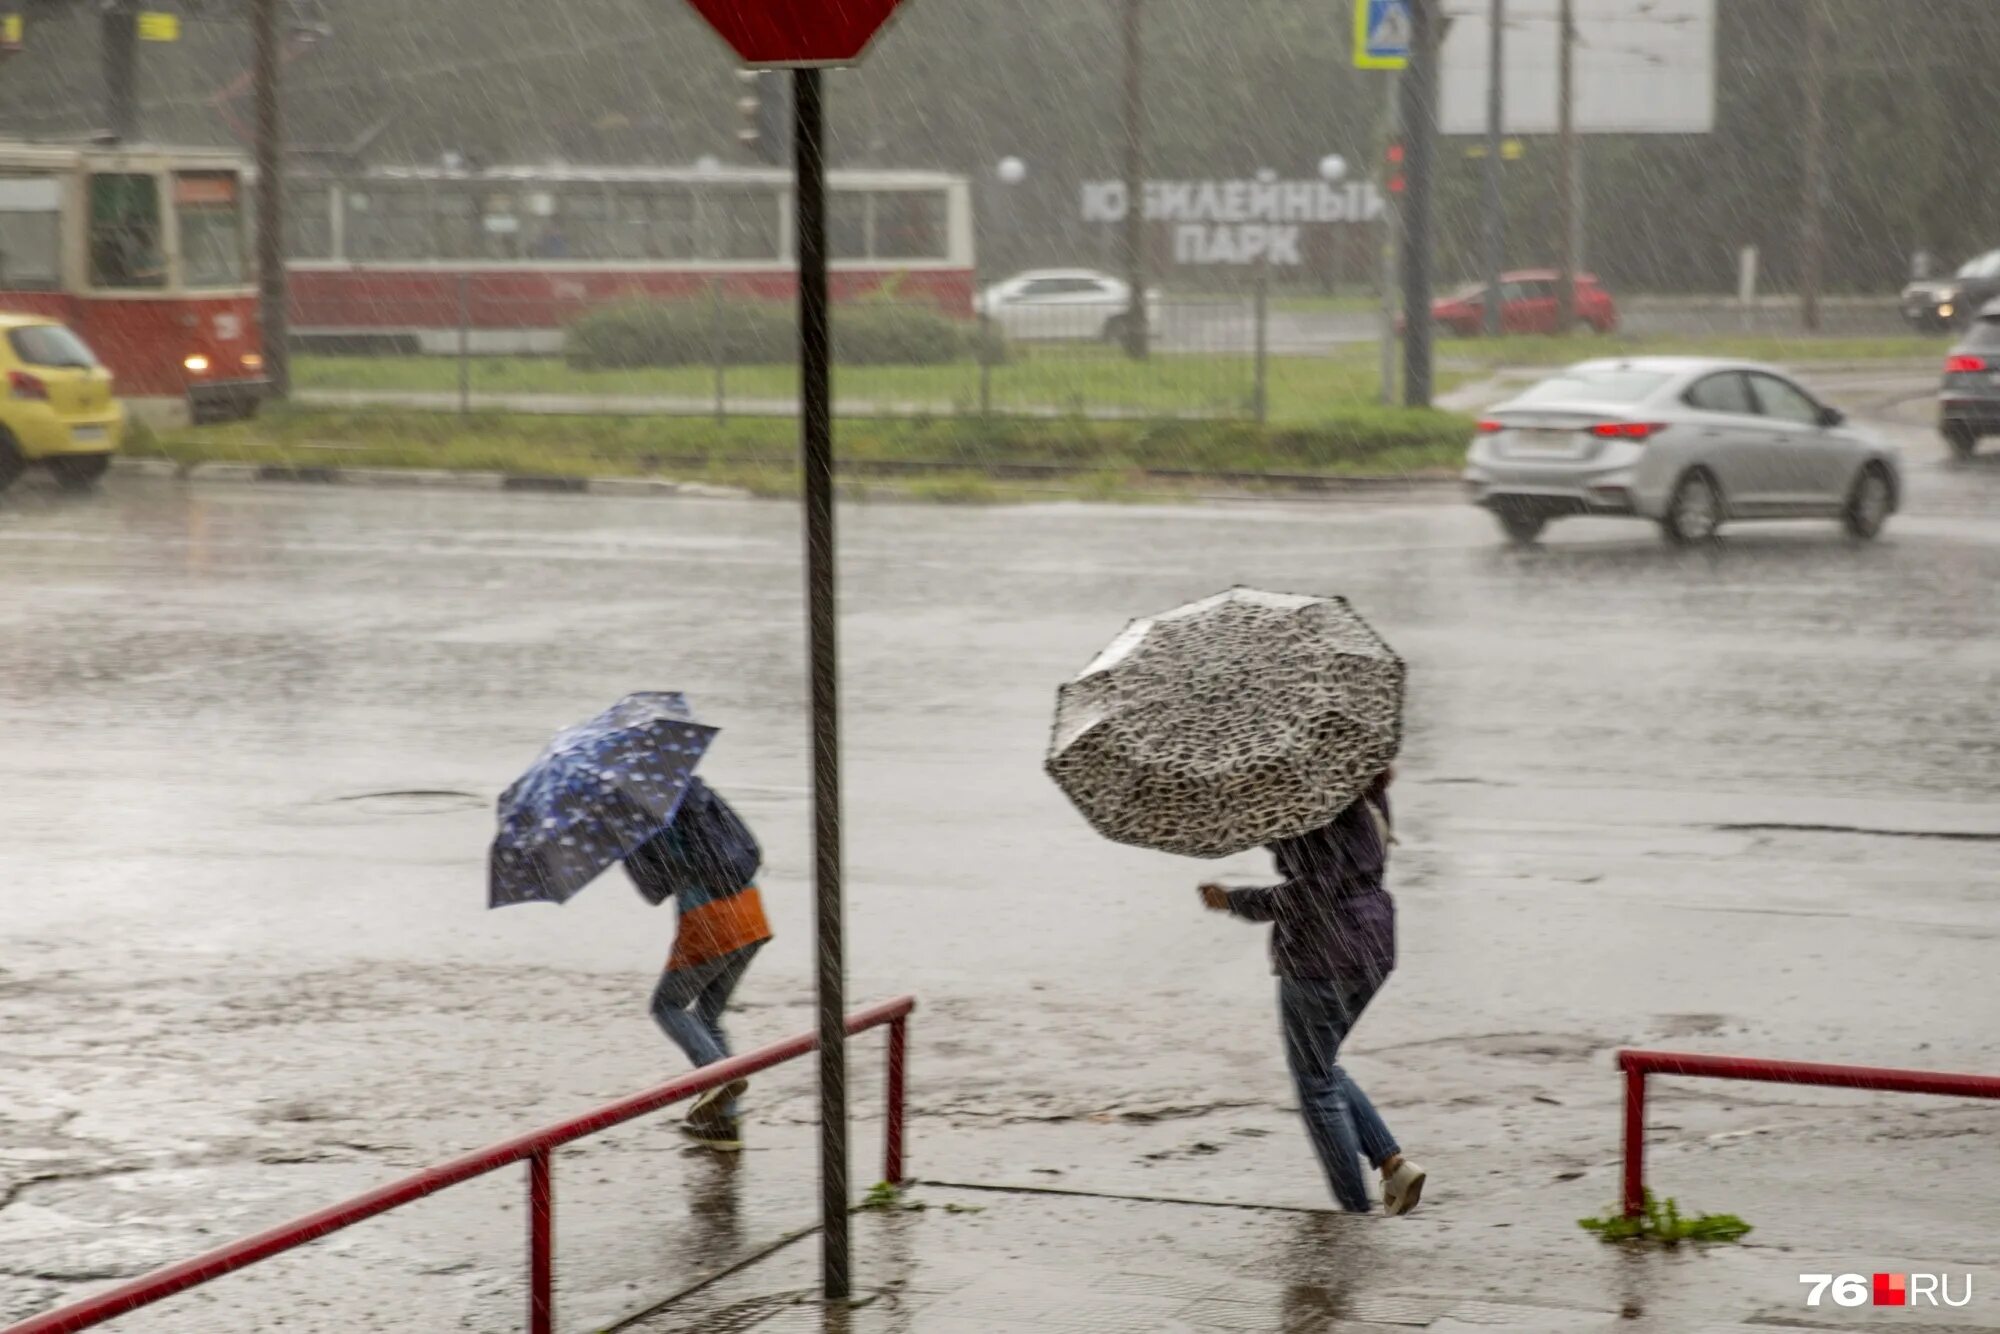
(707, 852)
(1331, 919)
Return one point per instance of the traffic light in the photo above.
(1395, 161)
(763, 109)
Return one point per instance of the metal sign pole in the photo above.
(1419, 127)
(273, 309)
(816, 451)
(1495, 215)
(1388, 257)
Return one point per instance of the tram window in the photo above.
(30, 234)
(742, 224)
(125, 247)
(544, 231)
(651, 222)
(456, 222)
(308, 235)
(581, 227)
(499, 234)
(391, 222)
(909, 224)
(847, 225)
(211, 215)
(476, 221)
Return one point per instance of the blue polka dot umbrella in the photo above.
(600, 790)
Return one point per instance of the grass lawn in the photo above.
(1067, 380)
(967, 459)
(1347, 303)
(1078, 379)
(1795, 350)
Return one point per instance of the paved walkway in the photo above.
(1009, 1262)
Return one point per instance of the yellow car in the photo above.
(57, 408)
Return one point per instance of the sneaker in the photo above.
(721, 1134)
(1402, 1188)
(710, 1104)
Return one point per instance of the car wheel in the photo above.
(1114, 330)
(1962, 440)
(1869, 504)
(1522, 528)
(12, 462)
(1694, 515)
(80, 472)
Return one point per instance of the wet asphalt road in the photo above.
(1745, 800)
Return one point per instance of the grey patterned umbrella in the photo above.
(1229, 722)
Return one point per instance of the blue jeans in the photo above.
(1317, 1017)
(688, 1005)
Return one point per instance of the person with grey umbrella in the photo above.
(1333, 944)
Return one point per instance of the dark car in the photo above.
(1969, 401)
(1936, 304)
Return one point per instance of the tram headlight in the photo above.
(253, 361)
(196, 363)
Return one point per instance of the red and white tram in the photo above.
(399, 259)
(143, 252)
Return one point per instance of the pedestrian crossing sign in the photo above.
(1382, 30)
(159, 26)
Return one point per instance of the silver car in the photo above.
(1686, 442)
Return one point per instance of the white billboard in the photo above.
(1641, 66)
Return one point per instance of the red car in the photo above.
(1527, 305)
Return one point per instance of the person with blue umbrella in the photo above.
(622, 788)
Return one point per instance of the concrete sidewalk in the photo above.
(980, 1261)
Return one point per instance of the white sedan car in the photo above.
(1686, 442)
(1058, 304)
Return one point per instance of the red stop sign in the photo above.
(797, 32)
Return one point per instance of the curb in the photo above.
(1295, 484)
(421, 478)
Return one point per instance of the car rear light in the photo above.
(23, 385)
(1954, 365)
(1628, 430)
(196, 363)
(1491, 427)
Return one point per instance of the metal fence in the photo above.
(1638, 1065)
(490, 348)
(537, 1149)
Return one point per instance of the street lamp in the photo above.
(1009, 171)
(1333, 168)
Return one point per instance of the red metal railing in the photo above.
(1639, 1064)
(537, 1148)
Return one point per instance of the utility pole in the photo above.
(273, 312)
(1566, 164)
(1135, 190)
(118, 28)
(1496, 239)
(1419, 128)
(1812, 225)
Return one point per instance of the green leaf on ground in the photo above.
(1661, 1224)
(888, 1197)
